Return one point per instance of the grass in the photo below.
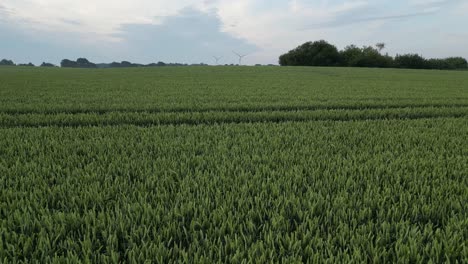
(233, 165)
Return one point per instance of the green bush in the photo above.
(353, 56)
(322, 53)
(318, 53)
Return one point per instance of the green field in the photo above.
(233, 165)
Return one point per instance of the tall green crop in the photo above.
(233, 165)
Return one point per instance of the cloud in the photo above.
(4, 13)
(149, 30)
(461, 10)
(428, 2)
(39, 46)
(71, 21)
(374, 11)
(27, 44)
(273, 25)
(347, 21)
(435, 5)
(103, 16)
(190, 36)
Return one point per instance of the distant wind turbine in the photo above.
(240, 56)
(380, 46)
(217, 59)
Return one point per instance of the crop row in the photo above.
(362, 191)
(214, 117)
(225, 89)
(236, 106)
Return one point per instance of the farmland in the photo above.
(233, 164)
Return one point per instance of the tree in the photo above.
(126, 64)
(115, 65)
(318, 53)
(79, 63)
(68, 64)
(436, 64)
(84, 63)
(47, 64)
(6, 62)
(353, 56)
(321, 53)
(457, 63)
(410, 61)
(27, 65)
(415, 61)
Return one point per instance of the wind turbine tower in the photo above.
(217, 59)
(240, 56)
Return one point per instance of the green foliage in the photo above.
(47, 64)
(318, 53)
(6, 62)
(233, 165)
(321, 53)
(353, 56)
(456, 63)
(447, 64)
(410, 61)
(27, 64)
(79, 63)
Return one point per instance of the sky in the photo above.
(191, 31)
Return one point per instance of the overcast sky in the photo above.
(194, 31)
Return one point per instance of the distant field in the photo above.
(226, 164)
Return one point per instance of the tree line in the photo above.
(6, 62)
(322, 53)
(85, 63)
